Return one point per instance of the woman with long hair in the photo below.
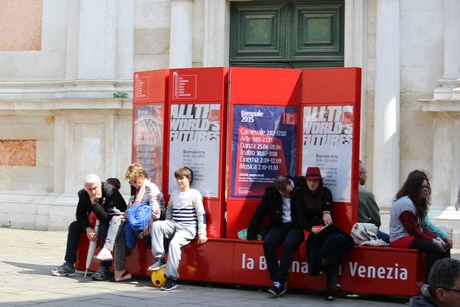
(407, 228)
(326, 244)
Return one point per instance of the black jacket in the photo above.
(273, 203)
(307, 218)
(327, 248)
(111, 198)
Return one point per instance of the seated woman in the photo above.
(325, 246)
(144, 192)
(426, 221)
(407, 229)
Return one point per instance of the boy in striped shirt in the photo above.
(185, 219)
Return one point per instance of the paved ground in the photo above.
(27, 256)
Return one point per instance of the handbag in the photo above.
(139, 216)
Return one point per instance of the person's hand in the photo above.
(315, 230)
(441, 243)
(91, 234)
(449, 241)
(94, 200)
(202, 239)
(327, 218)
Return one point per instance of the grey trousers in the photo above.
(180, 235)
(116, 238)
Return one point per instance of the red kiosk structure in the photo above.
(238, 129)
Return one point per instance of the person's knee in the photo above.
(269, 244)
(74, 228)
(290, 245)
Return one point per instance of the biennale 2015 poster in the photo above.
(327, 143)
(263, 147)
(194, 142)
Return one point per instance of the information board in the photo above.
(194, 142)
(263, 147)
(148, 139)
(327, 144)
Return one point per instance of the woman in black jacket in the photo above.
(326, 244)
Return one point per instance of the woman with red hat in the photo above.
(325, 243)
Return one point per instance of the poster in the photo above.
(194, 142)
(148, 140)
(327, 143)
(263, 147)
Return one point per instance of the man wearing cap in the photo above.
(98, 197)
(284, 228)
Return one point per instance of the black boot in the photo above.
(332, 278)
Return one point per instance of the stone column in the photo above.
(125, 40)
(355, 54)
(387, 103)
(91, 49)
(450, 85)
(125, 46)
(216, 34)
(180, 46)
(442, 162)
(97, 40)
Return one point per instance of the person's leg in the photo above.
(182, 236)
(113, 232)
(73, 240)
(433, 251)
(383, 236)
(102, 235)
(120, 248)
(158, 231)
(273, 239)
(292, 240)
(120, 273)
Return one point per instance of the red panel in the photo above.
(215, 223)
(266, 85)
(197, 84)
(383, 270)
(239, 214)
(343, 216)
(150, 86)
(339, 85)
(150, 89)
(211, 261)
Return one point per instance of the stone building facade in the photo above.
(62, 60)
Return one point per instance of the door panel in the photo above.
(291, 33)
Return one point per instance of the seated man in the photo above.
(95, 197)
(444, 285)
(284, 229)
(368, 210)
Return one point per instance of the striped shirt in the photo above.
(186, 208)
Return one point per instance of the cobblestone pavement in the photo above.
(27, 256)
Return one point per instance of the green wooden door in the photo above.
(287, 33)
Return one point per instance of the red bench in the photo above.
(367, 270)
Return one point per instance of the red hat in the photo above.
(313, 172)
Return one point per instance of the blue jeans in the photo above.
(291, 238)
(383, 236)
(73, 240)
